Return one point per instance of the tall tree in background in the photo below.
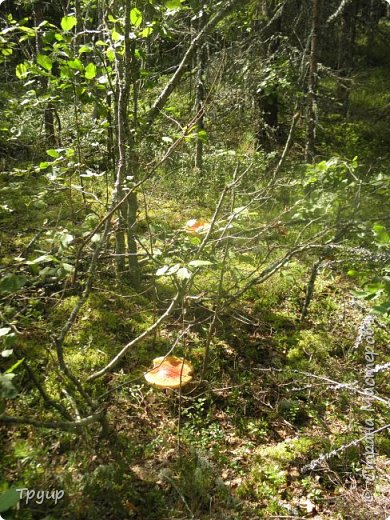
(39, 15)
(267, 96)
(201, 61)
(345, 57)
(312, 83)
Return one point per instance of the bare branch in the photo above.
(196, 42)
(276, 266)
(314, 463)
(338, 11)
(115, 360)
(53, 425)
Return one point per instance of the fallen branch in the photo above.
(53, 425)
(113, 363)
(314, 463)
(331, 382)
(272, 269)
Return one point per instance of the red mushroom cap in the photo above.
(197, 226)
(169, 372)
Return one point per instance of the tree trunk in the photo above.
(267, 98)
(48, 112)
(201, 56)
(374, 15)
(345, 54)
(312, 84)
(49, 123)
(127, 167)
(268, 108)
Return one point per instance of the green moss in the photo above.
(268, 476)
(103, 325)
(285, 451)
(310, 346)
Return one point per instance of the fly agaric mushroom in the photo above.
(169, 372)
(197, 226)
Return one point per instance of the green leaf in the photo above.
(11, 283)
(75, 64)
(9, 499)
(21, 70)
(90, 71)
(85, 48)
(68, 22)
(67, 267)
(42, 259)
(183, 274)
(44, 61)
(195, 241)
(110, 53)
(9, 340)
(146, 32)
(359, 294)
(53, 153)
(381, 234)
(28, 30)
(167, 270)
(162, 271)
(21, 449)
(384, 308)
(66, 239)
(136, 17)
(115, 35)
(199, 263)
(173, 4)
(4, 331)
(203, 136)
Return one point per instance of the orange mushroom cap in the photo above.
(169, 372)
(197, 226)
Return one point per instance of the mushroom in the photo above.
(169, 372)
(197, 226)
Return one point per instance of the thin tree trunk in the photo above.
(132, 159)
(79, 18)
(201, 56)
(121, 110)
(267, 99)
(345, 55)
(127, 74)
(373, 20)
(48, 112)
(49, 122)
(312, 84)
(310, 287)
